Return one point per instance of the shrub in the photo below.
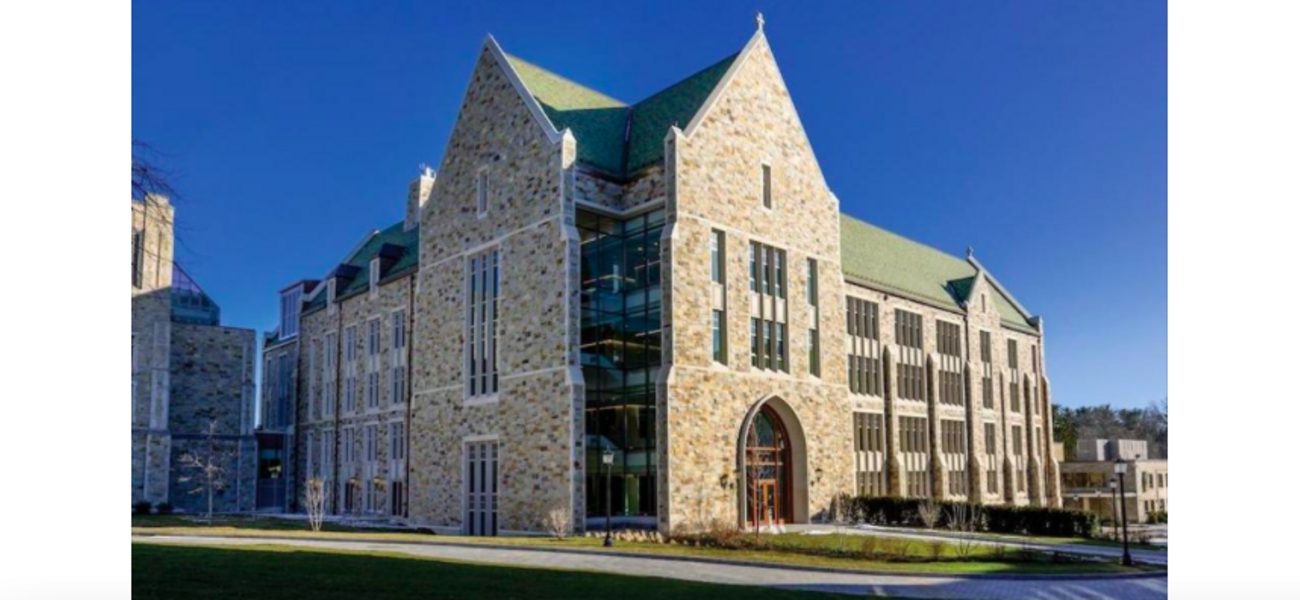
(164, 508)
(141, 508)
(1032, 520)
(1158, 517)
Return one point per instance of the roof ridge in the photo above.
(567, 80)
(674, 84)
(906, 239)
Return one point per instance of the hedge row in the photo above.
(1030, 520)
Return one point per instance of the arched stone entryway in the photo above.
(772, 466)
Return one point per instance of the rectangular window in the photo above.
(719, 337)
(348, 446)
(718, 275)
(986, 364)
(951, 387)
(372, 340)
(372, 443)
(953, 434)
(914, 439)
(768, 330)
(290, 303)
(399, 329)
(484, 285)
(329, 377)
(481, 192)
(869, 442)
(372, 389)
(717, 258)
(327, 450)
(990, 453)
(949, 338)
(397, 440)
(911, 369)
(350, 369)
(814, 337)
(767, 186)
(863, 324)
(398, 385)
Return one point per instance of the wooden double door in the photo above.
(768, 473)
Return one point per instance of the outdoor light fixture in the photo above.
(1121, 468)
(607, 459)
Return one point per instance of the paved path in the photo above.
(907, 586)
(1152, 557)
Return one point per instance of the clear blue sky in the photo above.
(1033, 131)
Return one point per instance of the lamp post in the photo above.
(1114, 500)
(607, 459)
(1121, 467)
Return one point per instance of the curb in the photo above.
(702, 559)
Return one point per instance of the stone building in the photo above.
(187, 373)
(672, 283)
(1089, 482)
(336, 374)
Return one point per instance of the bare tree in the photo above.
(317, 498)
(147, 179)
(964, 520)
(929, 512)
(559, 522)
(208, 466)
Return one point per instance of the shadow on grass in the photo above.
(165, 572)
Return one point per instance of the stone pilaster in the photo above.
(1034, 466)
(893, 458)
(938, 470)
(974, 438)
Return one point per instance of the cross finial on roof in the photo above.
(970, 251)
(759, 20)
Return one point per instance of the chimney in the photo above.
(416, 196)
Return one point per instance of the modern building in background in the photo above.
(336, 377)
(670, 283)
(1089, 482)
(188, 372)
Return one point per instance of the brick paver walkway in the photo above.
(901, 585)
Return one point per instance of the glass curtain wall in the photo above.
(621, 358)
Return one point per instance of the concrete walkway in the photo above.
(1147, 556)
(902, 585)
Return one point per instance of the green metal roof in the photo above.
(894, 263)
(408, 261)
(612, 136)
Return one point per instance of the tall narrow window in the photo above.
(350, 369)
(397, 361)
(869, 442)
(372, 360)
(718, 296)
(484, 273)
(768, 330)
(814, 316)
(767, 186)
(719, 337)
(329, 378)
(481, 192)
(863, 324)
(1013, 363)
(950, 363)
(911, 365)
(991, 456)
(373, 273)
(986, 366)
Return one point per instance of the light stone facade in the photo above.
(184, 376)
(510, 182)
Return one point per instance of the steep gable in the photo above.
(613, 137)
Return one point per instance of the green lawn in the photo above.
(836, 551)
(275, 573)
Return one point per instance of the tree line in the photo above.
(1150, 424)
